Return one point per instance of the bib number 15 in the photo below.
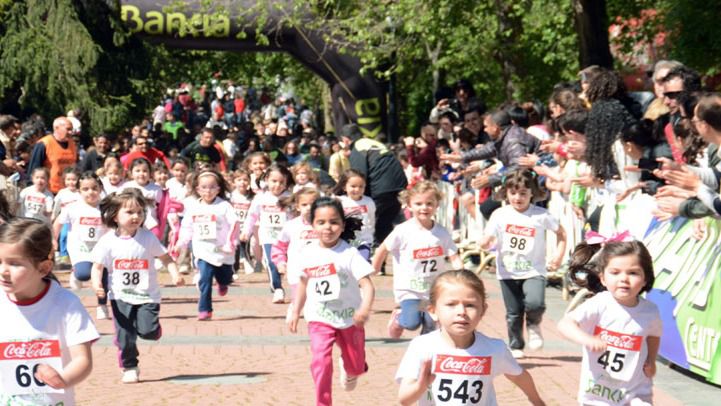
(461, 393)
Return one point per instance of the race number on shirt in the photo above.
(427, 263)
(323, 282)
(132, 274)
(272, 217)
(460, 379)
(241, 210)
(19, 361)
(34, 204)
(518, 239)
(622, 353)
(357, 211)
(89, 228)
(205, 227)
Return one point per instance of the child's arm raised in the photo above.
(571, 330)
(412, 389)
(368, 292)
(649, 367)
(79, 367)
(524, 381)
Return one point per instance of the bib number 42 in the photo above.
(461, 393)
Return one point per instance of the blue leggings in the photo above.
(412, 317)
(223, 274)
(63, 240)
(83, 271)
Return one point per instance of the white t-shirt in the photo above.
(63, 198)
(419, 256)
(153, 193)
(209, 226)
(41, 332)
(308, 184)
(332, 292)
(109, 188)
(521, 241)
(176, 190)
(298, 234)
(86, 228)
(35, 204)
(241, 204)
(131, 264)
(265, 210)
(364, 208)
(616, 375)
(463, 376)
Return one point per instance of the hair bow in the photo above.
(593, 237)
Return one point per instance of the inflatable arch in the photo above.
(356, 98)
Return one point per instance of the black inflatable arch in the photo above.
(356, 98)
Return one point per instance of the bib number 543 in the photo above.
(446, 392)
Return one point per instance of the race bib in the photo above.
(358, 211)
(460, 380)
(130, 274)
(89, 228)
(34, 204)
(19, 362)
(272, 219)
(620, 359)
(518, 239)
(323, 283)
(241, 210)
(428, 261)
(205, 227)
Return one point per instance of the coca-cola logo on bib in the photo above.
(320, 271)
(29, 350)
(520, 230)
(309, 235)
(425, 253)
(463, 365)
(130, 264)
(36, 199)
(203, 218)
(271, 209)
(619, 340)
(241, 206)
(90, 221)
(349, 211)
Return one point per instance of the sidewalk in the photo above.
(246, 356)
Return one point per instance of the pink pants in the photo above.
(351, 341)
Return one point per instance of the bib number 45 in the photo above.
(461, 393)
(612, 361)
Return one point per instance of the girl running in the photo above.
(47, 333)
(114, 178)
(212, 226)
(36, 201)
(619, 330)
(304, 176)
(240, 199)
(350, 189)
(518, 232)
(421, 250)
(141, 173)
(85, 229)
(176, 184)
(266, 208)
(256, 164)
(129, 253)
(456, 364)
(295, 236)
(336, 294)
(68, 194)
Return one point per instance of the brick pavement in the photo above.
(246, 356)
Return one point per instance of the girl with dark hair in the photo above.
(336, 294)
(350, 190)
(141, 173)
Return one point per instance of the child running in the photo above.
(65, 196)
(266, 208)
(240, 199)
(456, 365)
(176, 184)
(518, 232)
(85, 229)
(129, 253)
(304, 176)
(256, 164)
(336, 294)
(212, 226)
(141, 173)
(295, 236)
(350, 189)
(619, 330)
(47, 333)
(421, 249)
(36, 201)
(114, 178)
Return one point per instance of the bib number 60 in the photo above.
(25, 377)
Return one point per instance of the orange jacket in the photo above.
(57, 159)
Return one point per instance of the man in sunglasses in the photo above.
(677, 84)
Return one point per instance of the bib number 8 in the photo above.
(131, 278)
(518, 243)
(25, 378)
(91, 232)
(446, 392)
(615, 365)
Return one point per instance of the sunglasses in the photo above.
(673, 95)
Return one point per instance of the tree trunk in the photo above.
(591, 23)
(510, 28)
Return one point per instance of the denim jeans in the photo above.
(133, 321)
(275, 280)
(412, 317)
(523, 297)
(83, 271)
(223, 275)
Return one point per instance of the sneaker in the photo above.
(75, 283)
(184, 269)
(131, 375)
(278, 296)
(535, 338)
(517, 354)
(222, 290)
(101, 312)
(236, 277)
(347, 382)
(394, 328)
(205, 316)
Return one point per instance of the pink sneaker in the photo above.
(205, 316)
(394, 328)
(222, 290)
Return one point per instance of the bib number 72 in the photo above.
(446, 392)
(614, 364)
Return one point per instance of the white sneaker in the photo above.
(131, 375)
(278, 296)
(347, 382)
(184, 269)
(75, 283)
(517, 354)
(248, 268)
(101, 312)
(535, 338)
